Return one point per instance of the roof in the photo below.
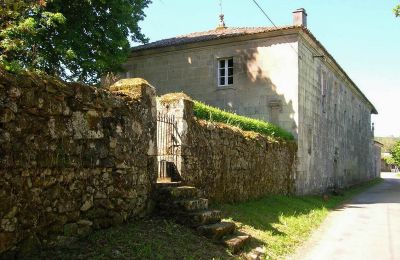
(231, 32)
(219, 33)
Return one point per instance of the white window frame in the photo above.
(226, 68)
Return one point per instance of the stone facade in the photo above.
(262, 87)
(226, 163)
(281, 75)
(335, 137)
(73, 158)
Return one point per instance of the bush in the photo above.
(203, 111)
(396, 153)
(389, 160)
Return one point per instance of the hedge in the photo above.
(209, 113)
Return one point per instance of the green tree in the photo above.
(389, 160)
(396, 153)
(396, 10)
(76, 39)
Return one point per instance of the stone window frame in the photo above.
(227, 75)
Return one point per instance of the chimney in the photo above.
(300, 17)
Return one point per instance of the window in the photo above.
(309, 139)
(225, 72)
(275, 108)
(335, 111)
(323, 90)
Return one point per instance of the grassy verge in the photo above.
(282, 223)
(209, 113)
(145, 239)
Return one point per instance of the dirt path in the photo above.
(367, 227)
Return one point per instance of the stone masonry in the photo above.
(262, 87)
(73, 158)
(226, 163)
(282, 75)
(335, 136)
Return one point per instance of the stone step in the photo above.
(181, 192)
(174, 207)
(255, 254)
(198, 218)
(191, 205)
(218, 230)
(236, 242)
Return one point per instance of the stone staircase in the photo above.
(185, 205)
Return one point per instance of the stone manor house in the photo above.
(282, 75)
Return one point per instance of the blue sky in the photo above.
(363, 36)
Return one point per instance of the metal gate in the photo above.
(168, 147)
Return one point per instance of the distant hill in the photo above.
(387, 142)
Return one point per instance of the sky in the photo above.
(362, 35)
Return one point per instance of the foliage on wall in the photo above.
(203, 111)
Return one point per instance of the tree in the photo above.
(396, 10)
(389, 160)
(76, 39)
(396, 153)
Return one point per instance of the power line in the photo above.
(344, 79)
(266, 15)
(269, 19)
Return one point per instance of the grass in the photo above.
(281, 223)
(209, 113)
(144, 239)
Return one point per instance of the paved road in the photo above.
(368, 227)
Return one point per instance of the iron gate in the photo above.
(168, 147)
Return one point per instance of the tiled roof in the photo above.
(209, 35)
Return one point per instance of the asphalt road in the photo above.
(367, 227)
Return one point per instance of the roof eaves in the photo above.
(308, 32)
(212, 35)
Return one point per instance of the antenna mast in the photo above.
(221, 24)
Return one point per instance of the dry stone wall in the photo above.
(229, 164)
(73, 158)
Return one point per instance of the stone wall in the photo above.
(226, 163)
(73, 158)
(377, 158)
(335, 137)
